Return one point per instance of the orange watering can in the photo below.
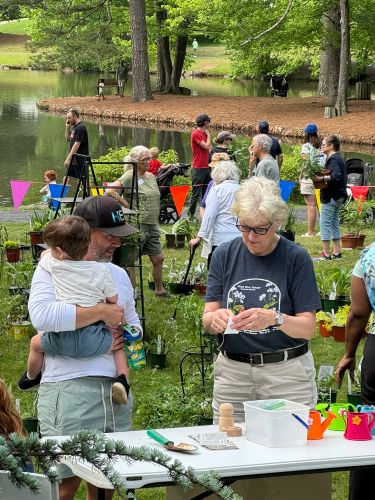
(317, 427)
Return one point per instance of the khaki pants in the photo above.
(236, 382)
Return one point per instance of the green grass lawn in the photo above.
(15, 27)
(156, 391)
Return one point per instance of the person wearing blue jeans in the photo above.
(332, 197)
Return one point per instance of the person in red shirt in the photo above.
(155, 164)
(201, 173)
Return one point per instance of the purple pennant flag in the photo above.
(19, 190)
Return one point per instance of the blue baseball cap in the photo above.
(311, 128)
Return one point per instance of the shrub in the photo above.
(110, 172)
(290, 170)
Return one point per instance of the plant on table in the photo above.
(326, 386)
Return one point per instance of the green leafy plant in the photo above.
(11, 244)
(184, 226)
(39, 219)
(339, 318)
(169, 156)
(325, 386)
(334, 282)
(310, 165)
(20, 275)
(354, 215)
(290, 224)
(17, 311)
(291, 168)
(110, 172)
(3, 234)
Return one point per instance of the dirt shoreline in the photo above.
(287, 117)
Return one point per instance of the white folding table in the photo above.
(250, 460)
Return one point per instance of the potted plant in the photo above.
(38, 221)
(19, 277)
(180, 230)
(12, 251)
(326, 387)
(29, 416)
(199, 277)
(354, 215)
(289, 231)
(334, 287)
(175, 277)
(354, 387)
(126, 254)
(335, 322)
(17, 317)
(156, 353)
(311, 167)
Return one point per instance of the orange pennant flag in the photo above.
(179, 194)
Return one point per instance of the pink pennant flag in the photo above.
(19, 190)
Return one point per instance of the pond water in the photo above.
(32, 141)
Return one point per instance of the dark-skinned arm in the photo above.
(359, 313)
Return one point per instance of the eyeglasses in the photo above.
(145, 159)
(256, 230)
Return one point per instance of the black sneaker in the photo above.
(338, 256)
(120, 390)
(28, 384)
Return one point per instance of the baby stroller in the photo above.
(358, 172)
(168, 213)
(279, 86)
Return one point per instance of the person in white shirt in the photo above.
(219, 224)
(80, 282)
(74, 393)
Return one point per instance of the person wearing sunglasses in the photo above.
(261, 300)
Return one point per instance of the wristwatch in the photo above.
(279, 318)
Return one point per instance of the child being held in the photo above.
(155, 164)
(49, 178)
(100, 87)
(81, 282)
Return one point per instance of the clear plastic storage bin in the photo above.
(277, 423)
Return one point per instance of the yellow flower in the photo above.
(356, 420)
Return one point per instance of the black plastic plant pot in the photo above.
(170, 240)
(354, 399)
(180, 288)
(156, 360)
(125, 255)
(31, 425)
(289, 235)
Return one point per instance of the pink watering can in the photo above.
(358, 425)
(317, 427)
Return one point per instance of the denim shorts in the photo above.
(86, 342)
(70, 406)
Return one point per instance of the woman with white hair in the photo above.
(218, 224)
(261, 300)
(149, 208)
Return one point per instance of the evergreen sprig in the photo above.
(16, 451)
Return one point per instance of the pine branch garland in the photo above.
(101, 453)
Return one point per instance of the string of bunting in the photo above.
(19, 189)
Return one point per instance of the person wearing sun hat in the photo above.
(76, 394)
(310, 150)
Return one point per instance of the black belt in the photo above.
(263, 358)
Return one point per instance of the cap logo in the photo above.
(118, 217)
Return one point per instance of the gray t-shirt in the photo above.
(269, 168)
(283, 280)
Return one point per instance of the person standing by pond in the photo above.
(267, 166)
(201, 173)
(223, 141)
(122, 74)
(195, 47)
(77, 136)
(149, 209)
(332, 198)
(310, 151)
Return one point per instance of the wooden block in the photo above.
(233, 431)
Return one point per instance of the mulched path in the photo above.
(287, 116)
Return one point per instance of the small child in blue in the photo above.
(81, 282)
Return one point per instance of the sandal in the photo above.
(164, 294)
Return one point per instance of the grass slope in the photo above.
(13, 36)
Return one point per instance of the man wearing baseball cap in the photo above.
(223, 141)
(201, 173)
(75, 393)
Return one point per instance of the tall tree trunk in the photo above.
(178, 65)
(330, 55)
(140, 67)
(342, 93)
(164, 62)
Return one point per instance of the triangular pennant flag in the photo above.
(359, 192)
(19, 190)
(56, 191)
(286, 188)
(179, 194)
